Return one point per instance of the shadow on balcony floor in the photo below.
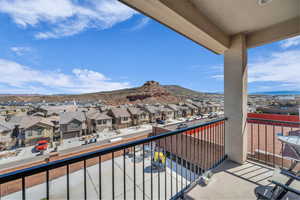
(233, 182)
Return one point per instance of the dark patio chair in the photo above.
(286, 185)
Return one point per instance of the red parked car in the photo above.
(41, 145)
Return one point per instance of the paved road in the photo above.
(190, 123)
(17, 163)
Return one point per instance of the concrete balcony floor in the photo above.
(234, 182)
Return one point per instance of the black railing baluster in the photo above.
(202, 149)
(282, 147)
(266, 146)
(198, 152)
(181, 160)
(213, 145)
(176, 163)
(222, 138)
(68, 182)
(113, 174)
(143, 171)
(273, 145)
(165, 151)
(47, 185)
(151, 170)
(23, 188)
(100, 177)
(134, 175)
(220, 141)
(186, 158)
(124, 173)
(190, 157)
(194, 154)
(258, 141)
(206, 148)
(291, 130)
(85, 186)
(158, 182)
(252, 139)
(210, 147)
(171, 159)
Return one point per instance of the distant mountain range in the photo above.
(150, 92)
(277, 93)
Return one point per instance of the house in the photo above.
(99, 121)
(72, 124)
(194, 109)
(138, 116)
(121, 118)
(2, 118)
(186, 111)
(54, 121)
(200, 106)
(48, 111)
(6, 139)
(154, 113)
(167, 113)
(177, 113)
(32, 129)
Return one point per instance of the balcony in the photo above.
(164, 166)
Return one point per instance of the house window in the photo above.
(125, 118)
(39, 131)
(103, 121)
(99, 122)
(29, 134)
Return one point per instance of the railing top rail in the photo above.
(273, 121)
(67, 161)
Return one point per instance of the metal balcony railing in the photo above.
(263, 145)
(163, 166)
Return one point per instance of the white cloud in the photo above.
(218, 77)
(66, 17)
(20, 50)
(295, 41)
(144, 21)
(17, 77)
(280, 68)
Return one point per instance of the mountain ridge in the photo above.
(149, 92)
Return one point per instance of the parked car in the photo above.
(159, 121)
(41, 145)
(182, 125)
(198, 118)
(212, 115)
(189, 119)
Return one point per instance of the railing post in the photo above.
(235, 99)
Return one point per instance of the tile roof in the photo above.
(6, 126)
(97, 115)
(25, 121)
(120, 112)
(66, 117)
(173, 107)
(135, 111)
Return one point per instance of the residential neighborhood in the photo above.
(58, 125)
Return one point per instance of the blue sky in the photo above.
(97, 45)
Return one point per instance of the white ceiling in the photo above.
(244, 16)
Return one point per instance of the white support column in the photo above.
(235, 99)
